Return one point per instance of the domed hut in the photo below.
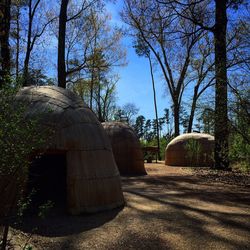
(126, 148)
(191, 149)
(79, 156)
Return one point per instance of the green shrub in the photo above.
(239, 152)
(193, 148)
(19, 138)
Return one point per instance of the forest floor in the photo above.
(170, 208)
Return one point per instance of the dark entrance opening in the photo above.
(47, 182)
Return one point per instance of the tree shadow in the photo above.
(184, 213)
(162, 212)
(189, 187)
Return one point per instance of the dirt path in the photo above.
(167, 209)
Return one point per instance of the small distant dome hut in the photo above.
(126, 148)
(191, 149)
(92, 178)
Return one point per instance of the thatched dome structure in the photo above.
(126, 148)
(190, 149)
(92, 178)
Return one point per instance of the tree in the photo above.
(32, 36)
(207, 117)
(61, 44)
(239, 114)
(92, 47)
(168, 121)
(19, 138)
(139, 126)
(101, 54)
(63, 19)
(184, 119)
(104, 97)
(142, 49)
(129, 110)
(4, 40)
(239, 107)
(196, 12)
(16, 13)
(156, 29)
(154, 128)
(147, 131)
(221, 132)
(97, 69)
(202, 67)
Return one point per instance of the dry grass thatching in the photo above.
(93, 180)
(190, 149)
(126, 148)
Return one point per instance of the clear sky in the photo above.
(135, 83)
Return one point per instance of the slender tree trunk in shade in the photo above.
(176, 117)
(27, 56)
(17, 43)
(155, 106)
(191, 117)
(26, 69)
(221, 118)
(61, 67)
(4, 38)
(100, 115)
(91, 91)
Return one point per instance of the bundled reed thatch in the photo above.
(126, 148)
(92, 177)
(190, 149)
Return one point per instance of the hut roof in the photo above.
(178, 154)
(93, 181)
(126, 148)
(195, 136)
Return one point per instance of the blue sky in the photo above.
(135, 81)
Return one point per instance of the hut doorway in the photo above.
(47, 181)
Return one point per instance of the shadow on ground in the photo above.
(167, 209)
(58, 223)
(190, 212)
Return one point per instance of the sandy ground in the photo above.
(170, 208)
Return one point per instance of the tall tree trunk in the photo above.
(191, 117)
(28, 48)
(93, 67)
(176, 117)
(91, 88)
(17, 42)
(100, 112)
(155, 105)
(221, 118)
(61, 67)
(4, 39)
(26, 69)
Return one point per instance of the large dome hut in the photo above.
(79, 157)
(126, 148)
(191, 149)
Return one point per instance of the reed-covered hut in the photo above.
(191, 149)
(79, 150)
(126, 148)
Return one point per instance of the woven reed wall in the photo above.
(177, 153)
(126, 148)
(93, 180)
